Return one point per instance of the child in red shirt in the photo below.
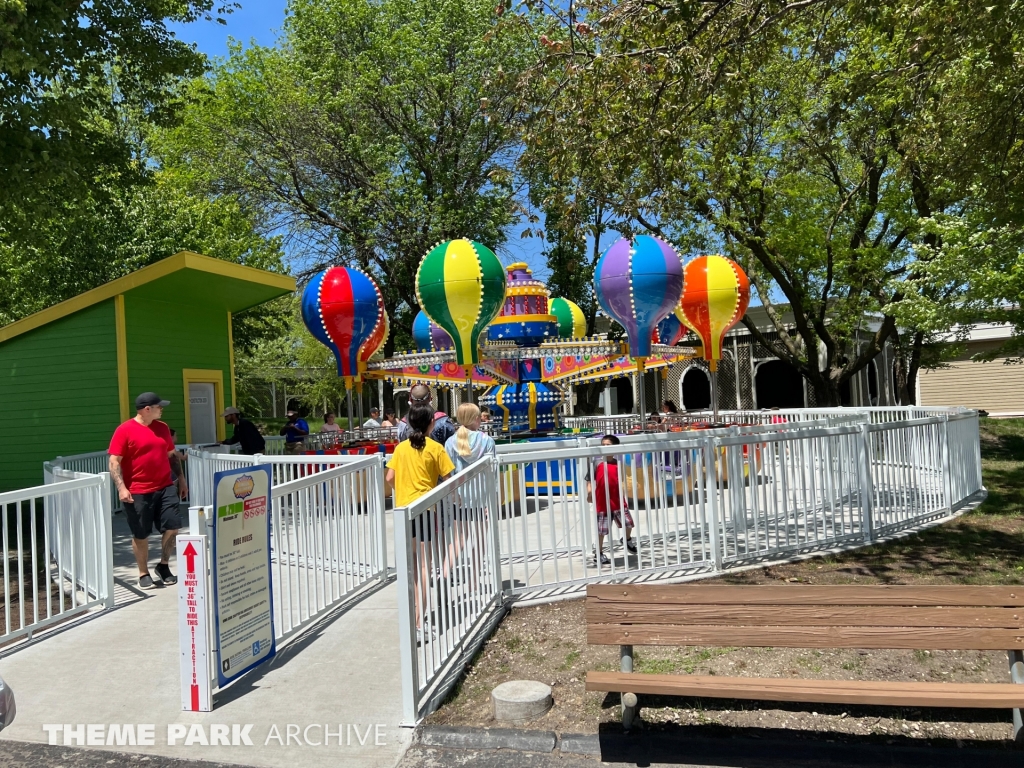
(608, 495)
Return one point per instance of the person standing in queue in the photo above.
(246, 436)
(418, 395)
(142, 458)
(416, 467)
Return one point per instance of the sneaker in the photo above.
(631, 545)
(428, 633)
(146, 582)
(604, 559)
(163, 570)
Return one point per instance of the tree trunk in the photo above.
(906, 366)
(914, 368)
(826, 389)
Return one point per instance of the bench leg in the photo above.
(628, 699)
(1017, 676)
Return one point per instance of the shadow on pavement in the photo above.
(777, 748)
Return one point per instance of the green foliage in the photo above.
(843, 153)
(69, 67)
(374, 130)
(118, 228)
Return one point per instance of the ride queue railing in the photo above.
(449, 582)
(327, 540)
(59, 552)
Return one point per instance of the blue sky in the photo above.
(257, 20)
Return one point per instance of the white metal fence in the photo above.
(327, 539)
(778, 485)
(449, 582)
(58, 555)
(327, 527)
(202, 466)
(539, 519)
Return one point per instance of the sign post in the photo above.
(193, 626)
(242, 594)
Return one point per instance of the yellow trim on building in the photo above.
(203, 376)
(121, 332)
(183, 260)
(231, 353)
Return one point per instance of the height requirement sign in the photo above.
(242, 596)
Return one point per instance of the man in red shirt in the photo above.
(142, 456)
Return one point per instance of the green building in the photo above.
(69, 374)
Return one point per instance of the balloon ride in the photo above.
(498, 330)
(639, 282)
(716, 297)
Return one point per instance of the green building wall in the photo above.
(165, 338)
(58, 393)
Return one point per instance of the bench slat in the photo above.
(600, 612)
(843, 594)
(972, 695)
(930, 638)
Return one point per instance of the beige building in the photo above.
(996, 386)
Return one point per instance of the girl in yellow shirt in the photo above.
(415, 468)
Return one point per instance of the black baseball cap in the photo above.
(147, 399)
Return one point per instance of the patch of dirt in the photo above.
(548, 643)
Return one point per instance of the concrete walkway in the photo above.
(121, 667)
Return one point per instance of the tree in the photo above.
(813, 142)
(573, 238)
(373, 131)
(68, 68)
(119, 228)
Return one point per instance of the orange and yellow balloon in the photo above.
(716, 293)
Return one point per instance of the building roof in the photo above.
(186, 277)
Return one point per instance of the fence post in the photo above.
(107, 528)
(1017, 676)
(711, 501)
(867, 493)
(734, 460)
(379, 502)
(406, 619)
(947, 480)
(494, 518)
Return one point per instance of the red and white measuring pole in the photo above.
(194, 624)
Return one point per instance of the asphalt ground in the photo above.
(575, 751)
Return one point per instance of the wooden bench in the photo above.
(927, 618)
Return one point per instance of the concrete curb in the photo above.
(486, 738)
(588, 744)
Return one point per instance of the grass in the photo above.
(571, 658)
(983, 546)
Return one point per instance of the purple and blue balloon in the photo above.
(638, 284)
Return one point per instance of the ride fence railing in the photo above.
(328, 532)
(449, 583)
(59, 552)
(679, 505)
(203, 465)
(328, 540)
(667, 422)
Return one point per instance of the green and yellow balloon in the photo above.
(461, 287)
(572, 323)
